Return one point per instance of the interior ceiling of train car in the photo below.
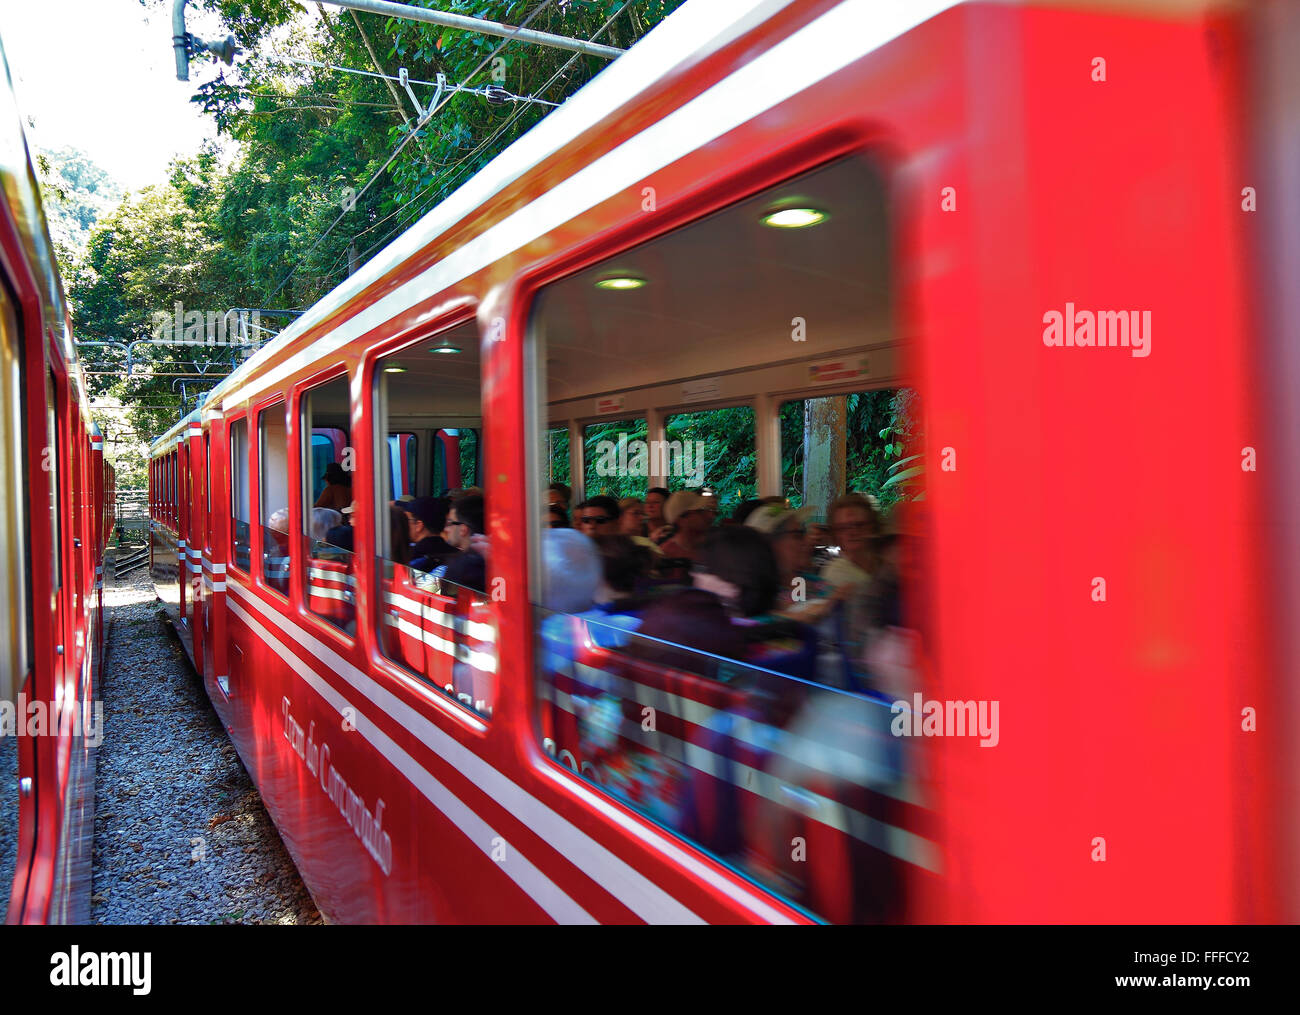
(723, 293)
(436, 377)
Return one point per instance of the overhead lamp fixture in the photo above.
(445, 348)
(621, 283)
(394, 368)
(794, 218)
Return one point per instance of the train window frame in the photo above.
(606, 248)
(268, 412)
(301, 563)
(378, 486)
(238, 456)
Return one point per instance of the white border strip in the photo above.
(541, 889)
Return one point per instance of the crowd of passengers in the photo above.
(762, 586)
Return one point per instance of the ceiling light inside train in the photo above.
(394, 368)
(445, 348)
(621, 282)
(794, 218)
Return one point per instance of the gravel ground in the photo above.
(180, 833)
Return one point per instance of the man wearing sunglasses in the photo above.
(464, 521)
(597, 516)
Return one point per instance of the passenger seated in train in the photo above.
(626, 567)
(854, 521)
(738, 568)
(556, 517)
(426, 519)
(464, 521)
(341, 535)
(801, 593)
(558, 495)
(575, 578)
(338, 488)
(691, 515)
(597, 516)
(322, 521)
(399, 529)
(655, 526)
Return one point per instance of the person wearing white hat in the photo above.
(803, 595)
(691, 514)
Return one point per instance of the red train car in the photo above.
(1021, 228)
(56, 513)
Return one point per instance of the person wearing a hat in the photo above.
(691, 514)
(341, 535)
(338, 488)
(426, 517)
(802, 594)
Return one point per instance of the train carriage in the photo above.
(55, 518)
(775, 210)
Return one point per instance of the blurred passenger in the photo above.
(597, 516)
(338, 488)
(559, 495)
(465, 520)
(399, 551)
(691, 515)
(631, 517)
(684, 625)
(854, 523)
(426, 517)
(556, 517)
(657, 527)
(322, 520)
(626, 563)
(341, 535)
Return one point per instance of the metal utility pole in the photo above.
(480, 25)
(187, 45)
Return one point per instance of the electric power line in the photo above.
(405, 141)
(406, 208)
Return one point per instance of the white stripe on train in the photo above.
(541, 889)
(611, 872)
(813, 53)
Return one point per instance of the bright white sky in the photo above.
(100, 75)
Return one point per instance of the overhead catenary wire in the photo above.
(398, 150)
(406, 208)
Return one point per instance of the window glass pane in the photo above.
(612, 467)
(330, 579)
(434, 616)
(711, 450)
(241, 547)
(555, 455)
(729, 670)
(273, 475)
(873, 452)
(52, 446)
(741, 758)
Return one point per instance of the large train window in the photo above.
(433, 616)
(733, 680)
(273, 477)
(555, 455)
(711, 450)
(240, 512)
(455, 462)
(52, 466)
(329, 579)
